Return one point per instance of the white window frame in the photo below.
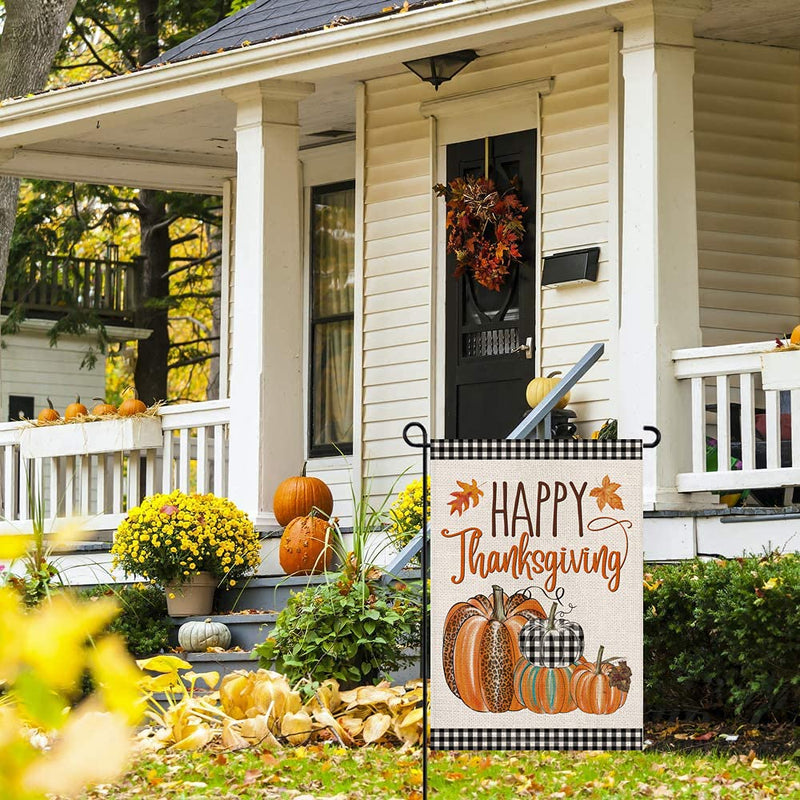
(333, 163)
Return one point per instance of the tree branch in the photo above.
(128, 56)
(165, 223)
(193, 263)
(81, 32)
(189, 361)
(195, 341)
(190, 237)
(196, 322)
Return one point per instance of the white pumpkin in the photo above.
(197, 637)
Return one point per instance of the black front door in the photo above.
(485, 379)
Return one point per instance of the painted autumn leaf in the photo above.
(461, 500)
(606, 494)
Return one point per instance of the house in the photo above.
(31, 369)
(666, 134)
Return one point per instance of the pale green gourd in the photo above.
(197, 637)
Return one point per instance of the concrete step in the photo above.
(271, 593)
(223, 663)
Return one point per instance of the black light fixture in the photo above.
(436, 70)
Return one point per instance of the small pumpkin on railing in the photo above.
(48, 414)
(539, 388)
(103, 409)
(76, 409)
(132, 406)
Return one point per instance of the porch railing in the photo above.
(743, 437)
(102, 487)
(53, 283)
(537, 421)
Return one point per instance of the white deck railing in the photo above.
(732, 412)
(101, 487)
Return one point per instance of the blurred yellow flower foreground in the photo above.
(50, 740)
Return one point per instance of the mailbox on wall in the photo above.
(573, 267)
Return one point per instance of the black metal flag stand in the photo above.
(425, 617)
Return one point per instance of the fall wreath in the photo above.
(484, 228)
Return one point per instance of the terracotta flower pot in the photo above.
(193, 598)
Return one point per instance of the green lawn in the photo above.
(325, 771)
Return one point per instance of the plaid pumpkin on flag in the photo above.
(551, 642)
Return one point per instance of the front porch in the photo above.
(672, 149)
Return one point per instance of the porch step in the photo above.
(223, 663)
(247, 630)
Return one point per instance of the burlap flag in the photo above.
(536, 595)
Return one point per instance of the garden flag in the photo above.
(536, 595)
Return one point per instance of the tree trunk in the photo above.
(213, 389)
(150, 375)
(151, 370)
(31, 37)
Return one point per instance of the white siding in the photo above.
(572, 213)
(31, 368)
(336, 473)
(747, 133)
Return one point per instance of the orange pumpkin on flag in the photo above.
(481, 647)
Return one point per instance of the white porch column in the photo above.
(659, 281)
(266, 429)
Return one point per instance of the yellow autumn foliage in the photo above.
(47, 744)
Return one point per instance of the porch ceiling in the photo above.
(189, 148)
(771, 22)
(173, 128)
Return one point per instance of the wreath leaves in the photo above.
(484, 228)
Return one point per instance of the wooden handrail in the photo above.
(537, 416)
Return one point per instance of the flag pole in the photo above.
(424, 616)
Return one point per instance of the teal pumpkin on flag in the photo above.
(543, 690)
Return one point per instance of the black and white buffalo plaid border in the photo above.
(536, 739)
(583, 449)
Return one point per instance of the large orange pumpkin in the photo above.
(600, 687)
(481, 647)
(298, 496)
(543, 690)
(305, 546)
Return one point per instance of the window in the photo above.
(331, 336)
(19, 408)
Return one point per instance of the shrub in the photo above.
(172, 537)
(142, 620)
(354, 631)
(722, 636)
(406, 513)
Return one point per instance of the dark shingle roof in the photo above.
(274, 19)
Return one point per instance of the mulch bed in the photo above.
(763, 740)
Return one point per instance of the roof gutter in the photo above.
(382, 40)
